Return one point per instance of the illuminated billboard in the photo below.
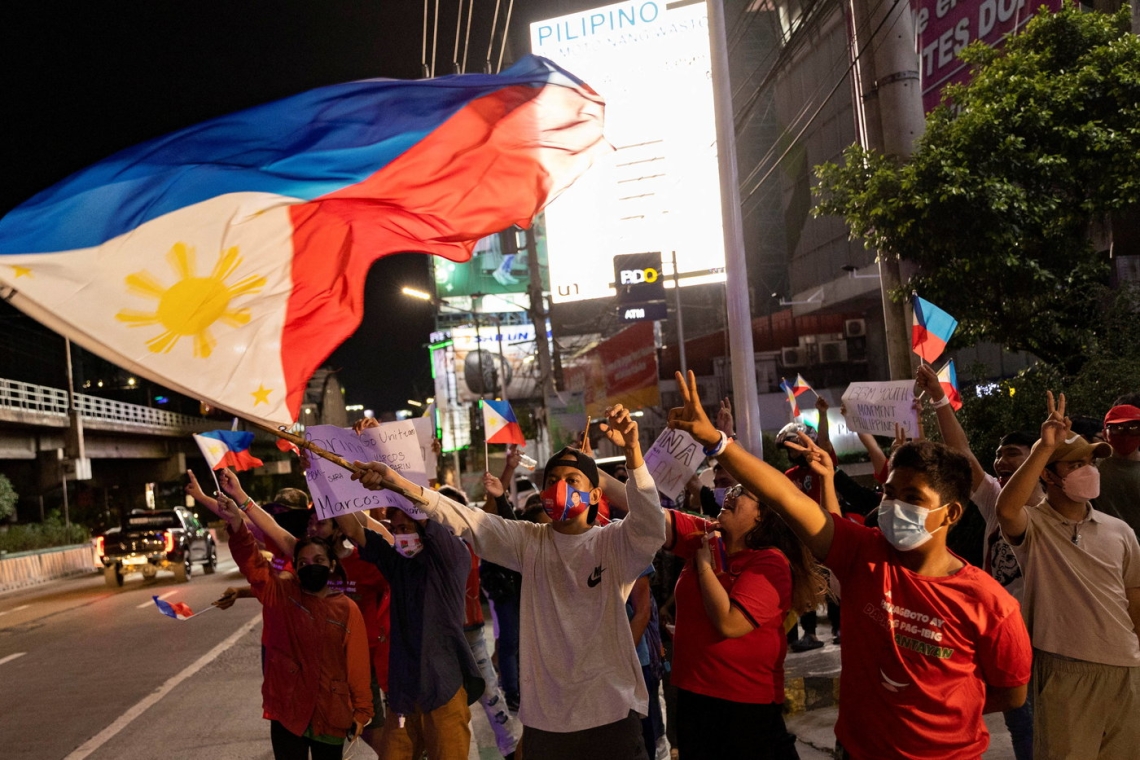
(660, 189)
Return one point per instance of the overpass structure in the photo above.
(128, 446)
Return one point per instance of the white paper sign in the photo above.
(331, 486)
(672, 459)
(875, 407)
(425, 432)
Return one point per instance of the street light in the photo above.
(416, 293)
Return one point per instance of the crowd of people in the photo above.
(374, 622)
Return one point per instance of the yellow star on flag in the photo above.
(261, 395)
(21, 271)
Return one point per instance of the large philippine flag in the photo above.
(228, 260)
(931, 329)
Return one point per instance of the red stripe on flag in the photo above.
(422, 202)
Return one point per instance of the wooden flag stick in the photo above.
(303, 443)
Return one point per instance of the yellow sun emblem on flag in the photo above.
(191, 306)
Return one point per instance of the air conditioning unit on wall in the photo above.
(833, 352)
(793, 357)
(854, 328)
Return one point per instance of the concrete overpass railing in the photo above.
(42, 405)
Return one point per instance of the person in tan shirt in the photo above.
(1081, 600)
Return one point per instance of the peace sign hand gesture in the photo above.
(818, 460)
(691, 417)
(1057, 427)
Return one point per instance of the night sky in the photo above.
(84, 80)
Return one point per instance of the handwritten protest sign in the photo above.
(875, 407)
(335, 493)
(425, 433)
(672, 460)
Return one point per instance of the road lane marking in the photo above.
(150, 602)
(11, 657)
(15, 609)
(108, 733)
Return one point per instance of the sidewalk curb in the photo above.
(805, 693)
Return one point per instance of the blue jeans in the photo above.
(1019, 721)
(507, 613)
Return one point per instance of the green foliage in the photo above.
(51, 532)
(1014, 170)
(1112, 370)
(8, 499)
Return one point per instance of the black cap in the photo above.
(581, 461)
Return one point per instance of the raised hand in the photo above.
(363, 423)
(724, 420)
(691, 417)
(620, 427)
(817, 459)
(1057, 427)
(513, 458)
(231, 485)
(927, 381)
(821, 404)
(228, 510)
(900, 438)
(493, 486)
(194, 490)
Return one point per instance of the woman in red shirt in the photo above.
(728, 649)
(316, 682)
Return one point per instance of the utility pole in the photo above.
(893, 119)
(680, 318)
(538, 315)
(74, 448)
(735, 265)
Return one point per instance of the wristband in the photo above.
(718, 448)
(944, 401)
(244, 506)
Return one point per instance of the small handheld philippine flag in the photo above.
(227, 448)
(801, 385)
(948, 379)
(931, 329)
(177, 610)
(791, 397)
(500, 424)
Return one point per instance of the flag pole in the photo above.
(301, 442)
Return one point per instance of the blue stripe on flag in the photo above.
(305, 146)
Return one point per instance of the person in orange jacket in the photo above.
(316, 690)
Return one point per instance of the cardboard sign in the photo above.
(875, 407)
(672, 459)
(331, 486)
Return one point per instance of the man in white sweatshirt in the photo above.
(582, 692)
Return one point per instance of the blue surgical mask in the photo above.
(904, 525)
(718, 494)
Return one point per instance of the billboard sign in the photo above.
(621, 370)
(498, 266)
(944, 27)
(660, 189)
(481, 368)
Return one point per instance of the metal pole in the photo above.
(680, 318)
(537, 312)
(500, 376)
(735, 265)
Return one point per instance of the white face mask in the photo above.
(904, 525)
(408, 544)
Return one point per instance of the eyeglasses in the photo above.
(1124, 428)
(736, 492)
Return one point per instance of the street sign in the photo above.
(642, 312)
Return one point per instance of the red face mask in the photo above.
(1123, 445)
(562, 501)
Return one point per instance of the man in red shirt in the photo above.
(932, 643)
